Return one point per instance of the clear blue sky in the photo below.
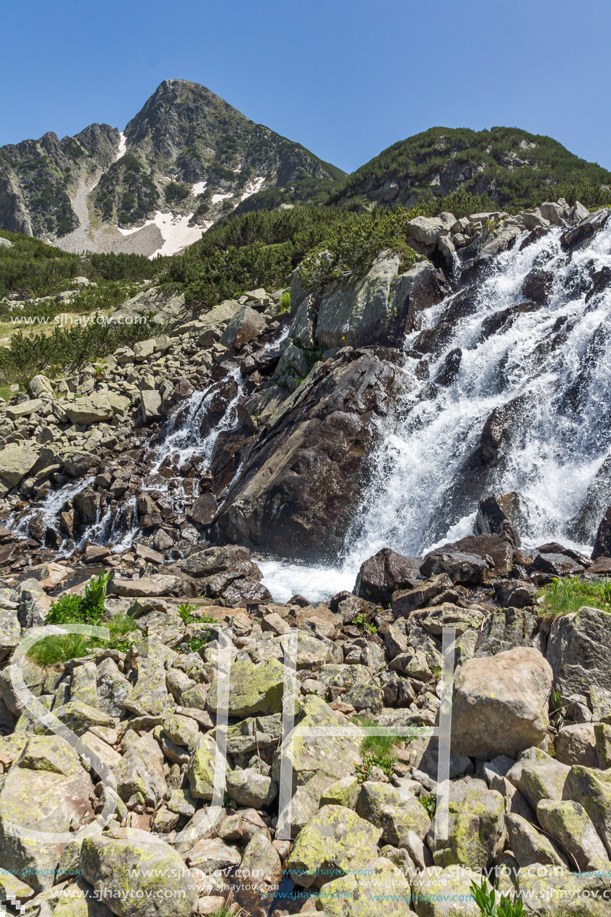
(344, 77)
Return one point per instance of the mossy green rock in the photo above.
(331, 753)
(80, 717)
(50, 753)
(548, 891)
(476, 828)
(335, 843)
(380, 888)
(592, 789)
(201, 769)
(36, 800)
(568, 823)
(538, 776)
(385, 807)
(252, 688)
(344, 792)
(136, 874)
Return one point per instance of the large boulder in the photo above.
(569, 824)
(398, 817)
(45, 796)
(16, 461)
(316, 762)
(135, 872)
(378, 308)
(476, 827)
(591, 788)
(385, 573)
(296, 490)
(462, 568)
(579, 652)
(101, 406)
(252, 688)
(336, 842)
(245, 326)
(500, 703)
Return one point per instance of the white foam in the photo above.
(316, 584)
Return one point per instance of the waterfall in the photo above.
(548, 368)
(184, 440)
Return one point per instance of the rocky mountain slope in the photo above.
(511, 167)
(184, 161)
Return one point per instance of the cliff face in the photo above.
(38, 179)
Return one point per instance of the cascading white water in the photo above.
(561, 436)
(50, 508)
(556, 359)
(185, 441)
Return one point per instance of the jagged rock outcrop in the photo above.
(295, 491)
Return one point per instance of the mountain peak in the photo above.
(191, 160)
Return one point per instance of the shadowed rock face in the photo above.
(297, 489)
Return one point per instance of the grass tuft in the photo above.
(571, 593)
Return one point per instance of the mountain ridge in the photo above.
(511, 166)
(184, 160)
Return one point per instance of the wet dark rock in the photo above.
(203, 510)
(296, 490)
(226, 574)
(466, 569)
(450, 368)
(557, 565)
(497, 429)
(584, 231)
(602, 543)
(404, 601)
(501, 321)
(538, 285)
(384, 573)
(498, 514)
(514, 593)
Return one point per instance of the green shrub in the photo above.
(28, 355)
(86, 609)
(485, 898)
(285, 302)
(352, 245)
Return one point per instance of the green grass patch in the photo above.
(27, 355)
(376, 751)
(57, 648)
(571, 593)
(89, 608)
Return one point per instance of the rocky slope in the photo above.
(184, 161)
(252, 425)
(510, 166)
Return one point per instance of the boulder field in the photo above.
(225, 750)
